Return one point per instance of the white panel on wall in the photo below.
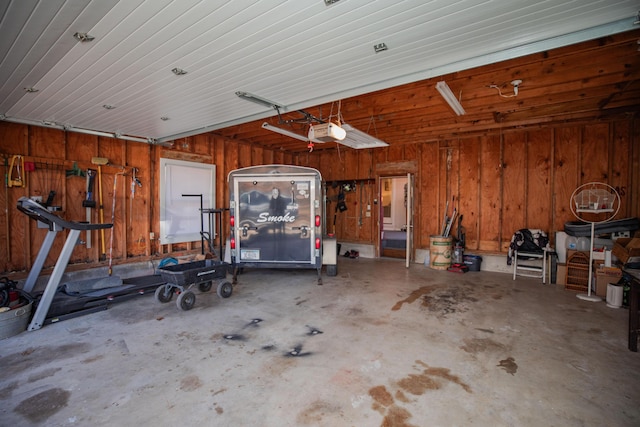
(180, 216)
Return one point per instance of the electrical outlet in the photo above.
(368, 207)
(152, 235)
(367, 214)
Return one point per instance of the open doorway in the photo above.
(395, 214)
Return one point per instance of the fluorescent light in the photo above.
(54, 125)
(257, 99)
(285, 132)
(357, 139)
(450, 98)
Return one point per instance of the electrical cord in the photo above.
(514, 83)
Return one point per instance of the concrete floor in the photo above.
(377, 345)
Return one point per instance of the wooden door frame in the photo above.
(389, 170)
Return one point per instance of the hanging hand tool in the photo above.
(100, 161)
(113, 219)
(134, 182)
(50, 197)
(451, 220)
(75, 171)
(445, 219)
(17, 165)
(89, 203)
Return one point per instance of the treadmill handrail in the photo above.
(39, 213)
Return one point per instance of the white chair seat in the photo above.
(535, 264)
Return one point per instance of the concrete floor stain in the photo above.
(190, 383)
(448, 302)
(7, 391)
(384, 403)
(480, 345)
(316, 412)
(429, 379)
(93, 358)
(402, 397)
(381, 395)
(36, 356)
(397, 417)
(40, 375)
(416, 384)
(509, 364)
(413, 296)
(41, 406)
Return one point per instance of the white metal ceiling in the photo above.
(297, 53)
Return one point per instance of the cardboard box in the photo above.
(627, 250)
(561, 274)
(604, 276)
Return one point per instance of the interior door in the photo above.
(409, 223)
(396, 195)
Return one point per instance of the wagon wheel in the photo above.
(332, 270)
(164, 293)
(205, 286)
(186, 300)
(225, 289)
(4, 298)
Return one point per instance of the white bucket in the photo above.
(614, 295)
(13, 322)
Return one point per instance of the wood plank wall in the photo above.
(500, 182)
(136, 214)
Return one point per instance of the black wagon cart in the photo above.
(181, 278)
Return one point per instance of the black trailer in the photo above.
(277, 218)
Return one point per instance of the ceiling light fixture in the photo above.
(258, 100)
(164, 118)
(31, 89)
(285, 132)
(448, 96)
(178, 71)
(380, 47)
(360, 140)
(330, 2)
(108, 107)
(83, 37)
